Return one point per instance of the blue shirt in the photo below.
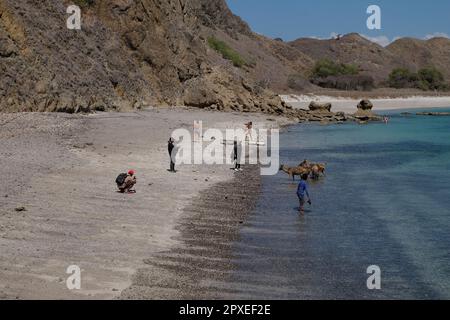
(302, 189)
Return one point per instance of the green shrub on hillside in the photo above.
(432, 79)
(329, 74)
(326, 68)
(402, 78)
(426, 79)
(227, 52)
(346, 82)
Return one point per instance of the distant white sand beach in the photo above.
(348, 105)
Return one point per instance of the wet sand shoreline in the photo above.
(200, 267)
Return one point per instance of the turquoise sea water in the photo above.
(385, 201)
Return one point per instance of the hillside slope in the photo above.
(424, 53)
(133, 53)
(136, 53)
(371, 58)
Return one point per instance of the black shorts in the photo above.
(302, 200)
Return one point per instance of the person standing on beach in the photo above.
(171, 149)
(248, 131)
(302, 193)
(237, 155)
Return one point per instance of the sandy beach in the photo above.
(348, 105)
(61, 169)
(170, 240)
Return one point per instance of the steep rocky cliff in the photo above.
(134, 53)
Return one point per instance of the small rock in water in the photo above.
(20, 209)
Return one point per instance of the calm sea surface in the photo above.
(385, 201)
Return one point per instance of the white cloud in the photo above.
(315, 37)
(383, 41)
(333, 35)
(437, 35)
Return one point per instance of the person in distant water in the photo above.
(303, 193)
(171, 149)
(129, 183)
(386, 119)
(237, 155)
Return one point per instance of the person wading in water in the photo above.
(302, 193)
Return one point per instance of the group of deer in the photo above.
(313, 170)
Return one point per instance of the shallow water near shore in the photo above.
(385, 201)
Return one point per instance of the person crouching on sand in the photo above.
(302, 191)
(129, 183)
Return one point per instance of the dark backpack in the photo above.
(121, 179)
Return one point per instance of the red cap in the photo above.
(131, 172)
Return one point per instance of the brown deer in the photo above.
(295, 171)
(316, 170)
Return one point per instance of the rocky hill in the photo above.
(371, 58)
(424, 53)
(377, 61)
(135, 53)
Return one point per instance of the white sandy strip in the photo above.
(349, 105)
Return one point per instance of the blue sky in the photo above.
(291, 19)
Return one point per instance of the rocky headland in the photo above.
(130, 55)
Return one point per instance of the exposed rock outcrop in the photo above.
(365, 105)
(320, 107)
(365, 112)
(434, 114)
